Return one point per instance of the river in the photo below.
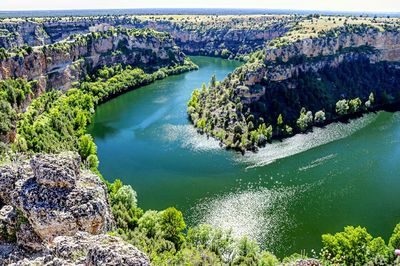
(285, 196)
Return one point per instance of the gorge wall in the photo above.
(59, 65)
(237, 36)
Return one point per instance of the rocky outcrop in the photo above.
(53, 213)
(80, 249)
(18, 33)
(59, 65)
(53, 197)
(387, 42)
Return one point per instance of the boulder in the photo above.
(97, 250)
(56, 171)
(55, 196)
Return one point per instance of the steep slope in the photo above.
(59, 65)
(225, 36)
(346, 71)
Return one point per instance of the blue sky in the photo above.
(332, 5)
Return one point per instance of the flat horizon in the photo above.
(198, 10)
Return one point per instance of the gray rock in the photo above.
(55, 197)
(27, 238)
(81, 249)
(56, 171)
(98, 250)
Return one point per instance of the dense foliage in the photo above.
(57, 121)
(244, 114)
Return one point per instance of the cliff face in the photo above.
(194, 40)
(59, 65)
(213, 41)
(13, 34)
(387, 42)
(51, 208)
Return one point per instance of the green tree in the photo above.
(353, 246)
(267, 259)
(247, 252)
(319, 117)
(92, 161)
(126, 196)
(354, 105)
(279, 120)
(124, 209)
(172, 225)
(394, 240)
(342, 107)
(219, 241)
(213, 82)
(370, 101)
(305, 119)
(225, 53)
(149, 223)
(86, 147)
(371, 98)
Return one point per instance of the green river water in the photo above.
(285, 196)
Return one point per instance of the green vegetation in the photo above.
(245, 114)
(355, 246)
(13, 95)
(55, 121)
(164, 237)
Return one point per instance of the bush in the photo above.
(353, 246)
(342, 107)
(87, 146)
(172, 225)
(394, 240)
(305, 120)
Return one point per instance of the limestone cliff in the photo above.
(238, 36)
(58, 65)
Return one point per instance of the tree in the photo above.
(92, 161)
(124, 209)
(201, 124)
(353, 246)
(86, 147)
(149, 223)
(342, 107)
(279, 120)
(371, 100)
(394, 240)
(264, 134)
(219, 241)
(126, 196)
(172, 225)
(267, 259)
(319, 117)
(305, 119)
(354, 105)
(225, 53)
(213, 82)
(247, 252)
